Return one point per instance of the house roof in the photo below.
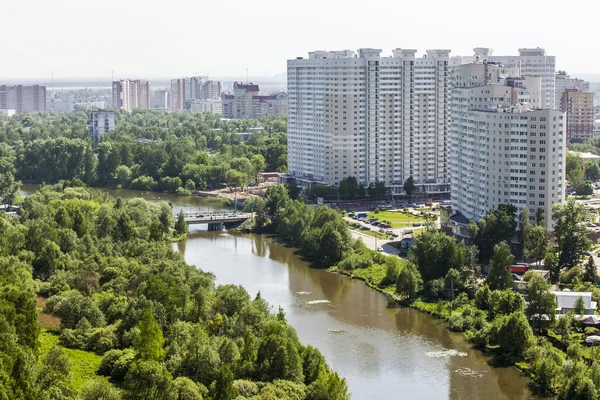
(568, 299)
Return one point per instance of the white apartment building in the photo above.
(505, 149)
(101, 122)
(211, 106)
(530, 63)
(373, 117)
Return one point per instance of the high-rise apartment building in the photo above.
(579, 107)
(161, 99)
(505, 149)
(23, 98)
(530, 63)
(243, 93)
(101, 122)
(210, 106)
(379, 119)
(193, 88)
(270, 105)
(564, 82)
(131, 94)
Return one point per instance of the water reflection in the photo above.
(379, 348)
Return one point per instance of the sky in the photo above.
(158, 38)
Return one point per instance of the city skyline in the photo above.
(93, 42)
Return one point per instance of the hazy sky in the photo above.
(171, 38)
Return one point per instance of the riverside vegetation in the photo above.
(149, 150)
(125, 317)
(442, 277)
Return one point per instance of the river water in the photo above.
(384, 351)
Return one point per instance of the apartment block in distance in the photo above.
(101, 122)
(377, 118)
(530, 63)
(23, 98)
(193, 88)
(505, 148)
(564, 82)
(579, 107)
(131, 94)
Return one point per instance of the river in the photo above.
(384, 351)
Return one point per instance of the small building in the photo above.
(566, 302)
(585, 156)
(244, 136)
(101, 122)
(8, 112)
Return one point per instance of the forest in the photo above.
(148, 150)
(86, 274)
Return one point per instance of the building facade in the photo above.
(100, 123)
(193, 88)
(270, 105)
(211, 106)
(530, 63)
(579, 107)
(243, 94)
(130, 94)
(564, 82)
(23, 98)
(379, 119)
(161, 99)
(504, 149)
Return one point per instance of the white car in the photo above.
(380, 249)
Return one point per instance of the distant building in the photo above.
(585, 156)
(271, 105)
(564, 82)
(161, 99)
(8, 113)
(244, 136)
(579, 107)
(23, 98)
(243, 93)
(101, 122)
(100, 104)
(60, 106)
(131, 94)
(193, 88)
(566, 302)
(212, 106)
(246, 102)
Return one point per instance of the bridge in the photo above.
(216, 221)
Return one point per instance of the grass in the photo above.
(398, 219)
(84, 364)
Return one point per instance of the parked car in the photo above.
(381, 230)
(365, 228)
(386, 226)
(380, 249)
(389, 232)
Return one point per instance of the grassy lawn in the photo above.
(398, 219)
(84, 364)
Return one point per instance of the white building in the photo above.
(565, 302)
(530, 63)
(505, 149)
(211, 106)
(8, 112)
(101, 122)
(372, 117)
(161, 99)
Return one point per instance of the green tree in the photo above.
(537, 243)
(590, 274)
(409, 186)
(277, 197)
(328, 386)
(258, 166)
(551, 264)
(541, 308)
(409, 281)
(564, 327)
(593, 172)
(435, 253)
(99, 389)
(149, 341)
(579, 306)
(181, 227)
(496, 227)
(499, 277)
(569, 231)
(9, 187)
(149, 380)
(525, 229)
(123, 174)
(350, 189)
(224, 389)
(515, 335)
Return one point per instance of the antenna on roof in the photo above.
(112, 73)
(247, 81)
